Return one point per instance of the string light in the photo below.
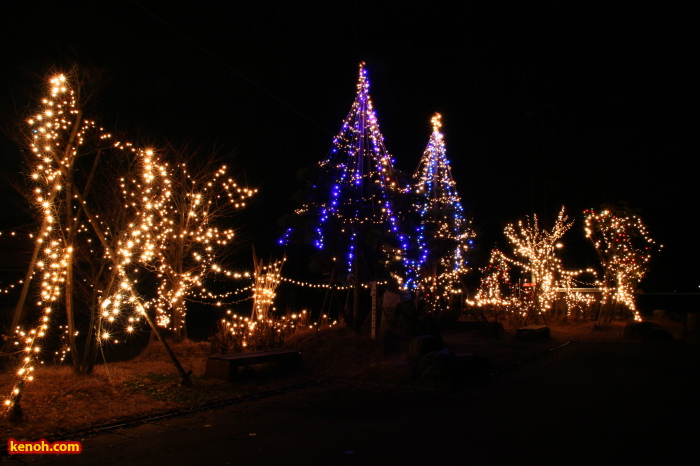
(238, 333)
(267, 279)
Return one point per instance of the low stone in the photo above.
(390, 371)
(647, 332)
(637, 329)
(422, 345)
(438, 365)
(472, 366)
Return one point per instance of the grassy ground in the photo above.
(58, 402)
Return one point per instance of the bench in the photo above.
(533, 332)
(225, 366)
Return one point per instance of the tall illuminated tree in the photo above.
(353, 220)
(443, 235)
(66, 150)
(624, 249)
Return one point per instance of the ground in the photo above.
(59, 403)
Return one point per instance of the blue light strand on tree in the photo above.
(358, 190)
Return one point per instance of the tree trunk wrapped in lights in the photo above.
(74, 260)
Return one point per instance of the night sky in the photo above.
(543, 105)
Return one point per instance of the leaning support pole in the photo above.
(185, 376)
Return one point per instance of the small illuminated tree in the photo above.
(534, 251)
(624, 249)
(497, 293)
(266, 280)
(443, 235)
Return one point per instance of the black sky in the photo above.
(543, 104)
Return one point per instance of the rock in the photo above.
(637, 329)
(647, 332)
(439, 366)
(472, 366)
(422, 345)
(390, 371)
(406, 318)
(426, 325)
(658, 335)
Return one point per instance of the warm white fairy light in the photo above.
(624, 248)
(240, 333)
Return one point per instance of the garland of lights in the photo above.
(57, 132)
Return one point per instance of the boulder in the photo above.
(390, 371)
(422, 345)
(647, 332)
(439, 366)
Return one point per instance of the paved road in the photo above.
(587, 403)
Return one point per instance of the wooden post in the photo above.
(374, 310)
